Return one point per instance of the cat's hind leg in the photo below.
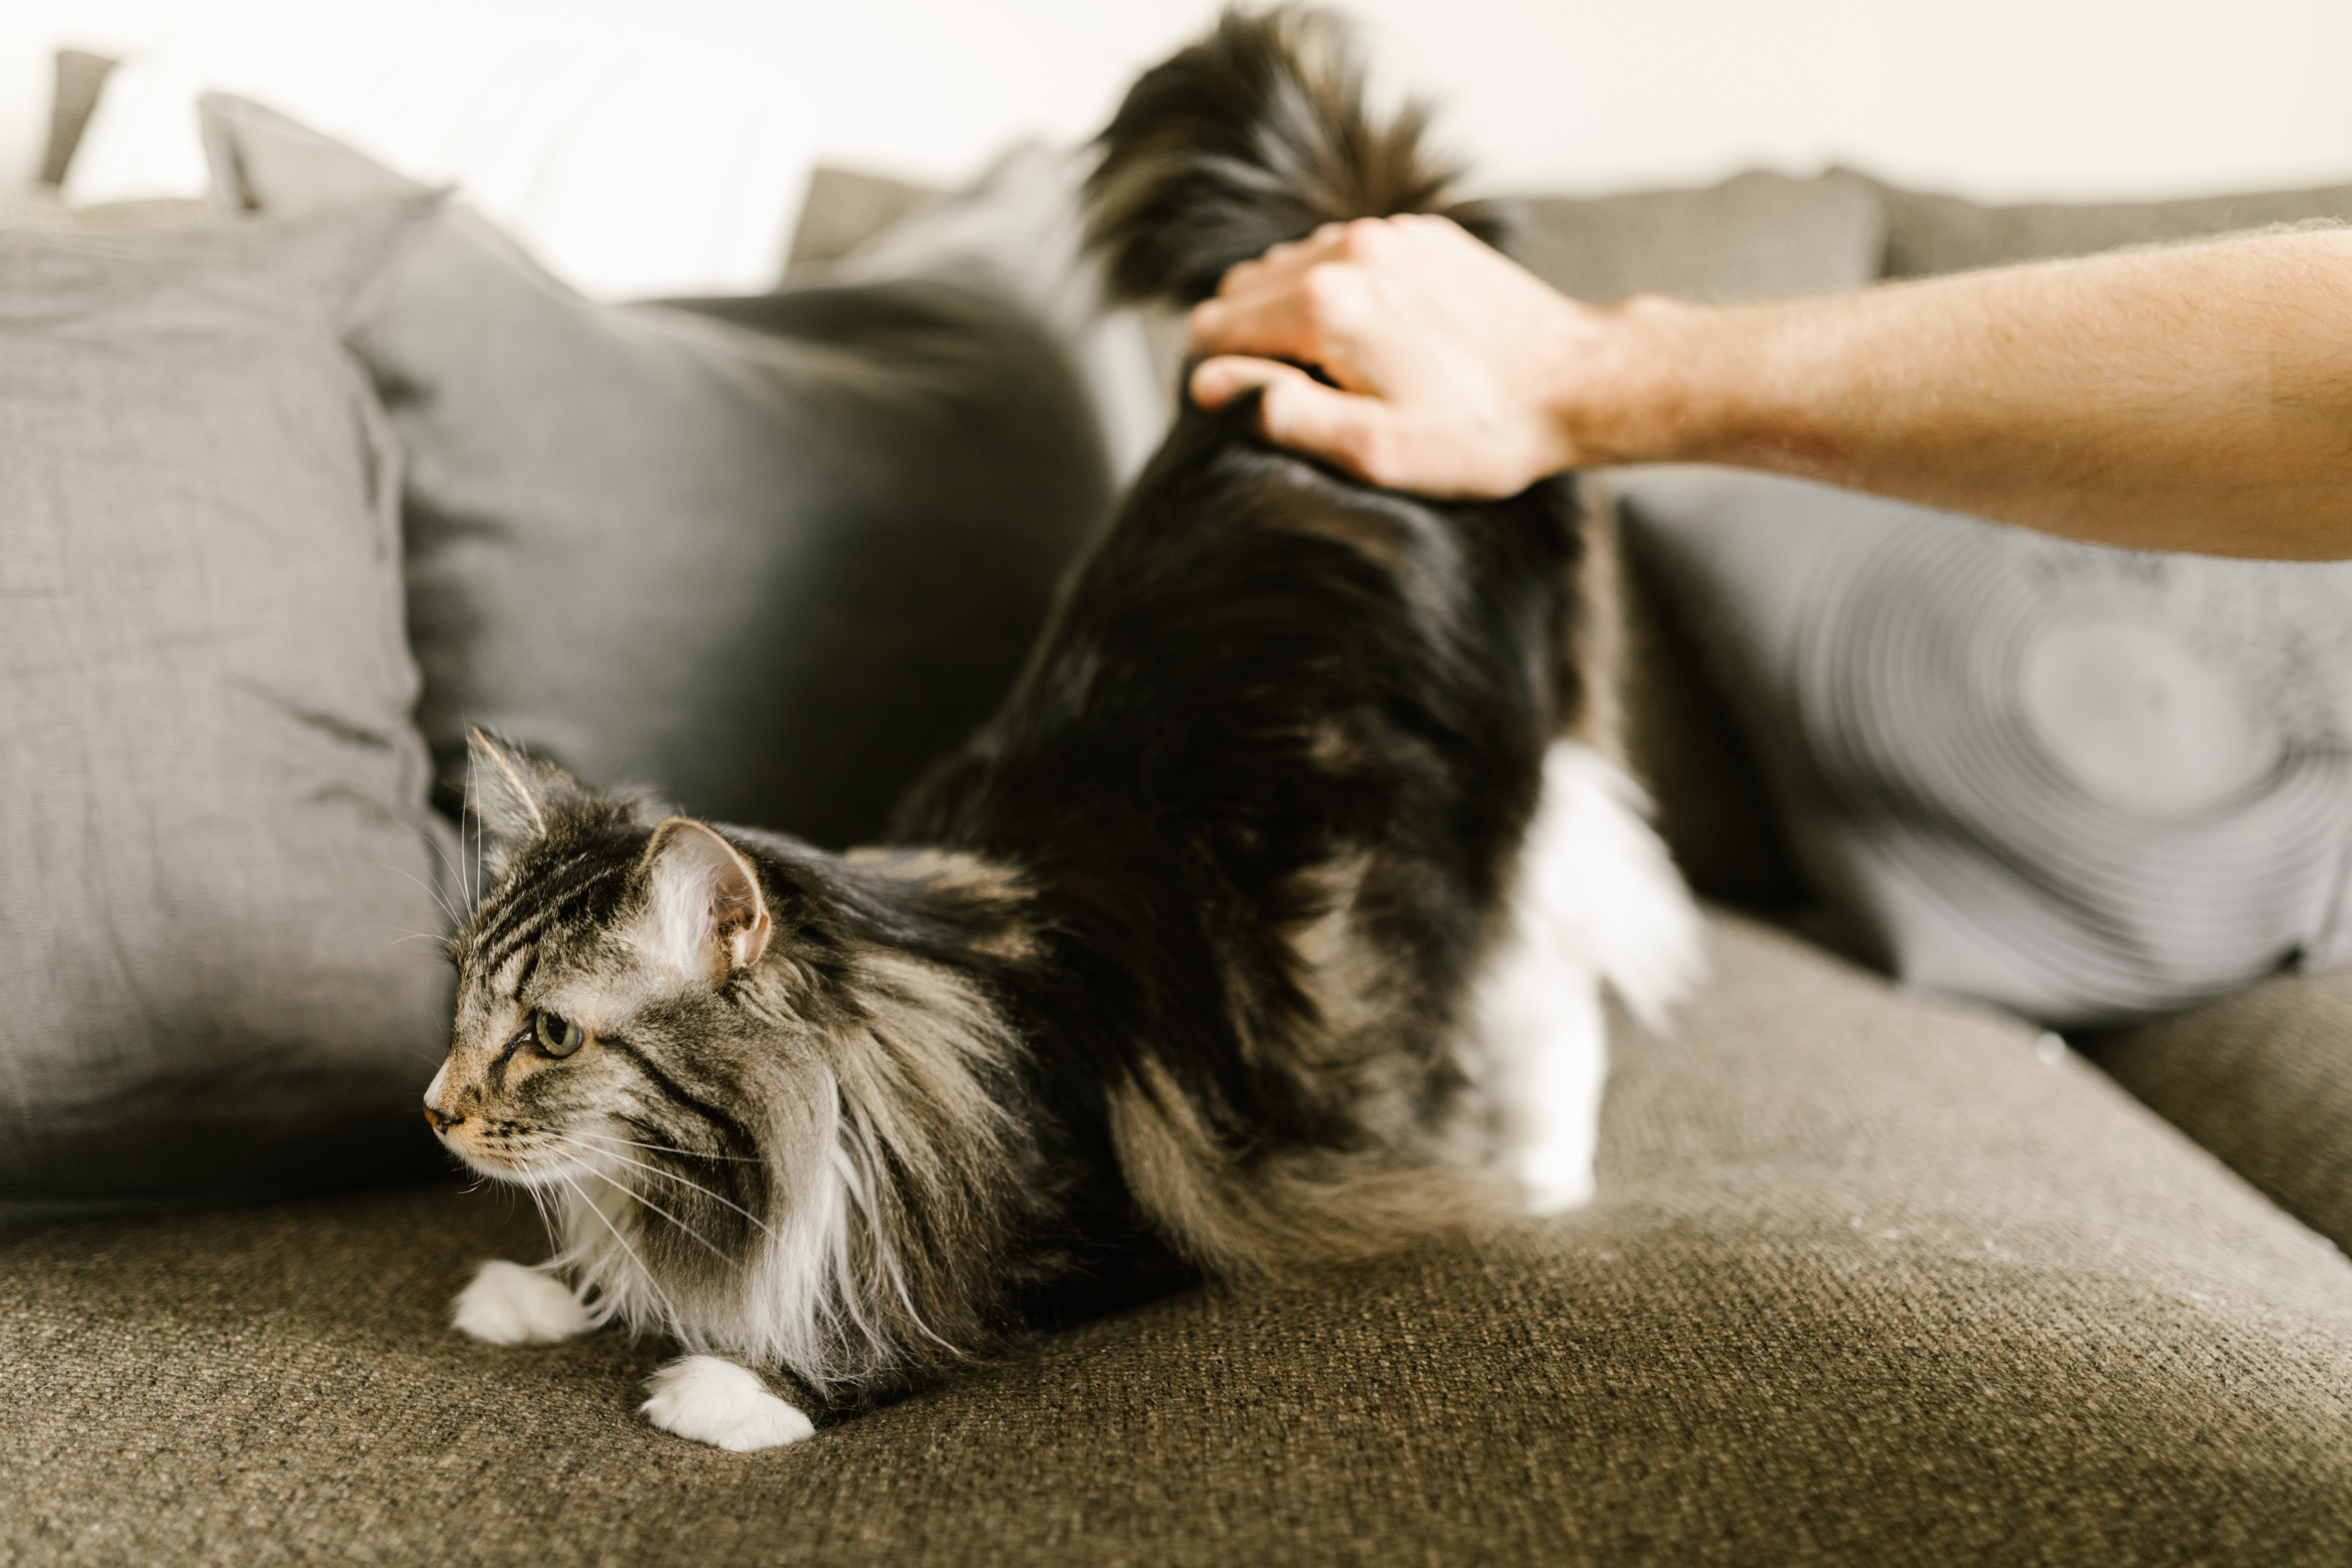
(508, 1304)
(1598, 902)
(708, 1400)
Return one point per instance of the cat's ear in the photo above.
(705, 911)
(512, 794)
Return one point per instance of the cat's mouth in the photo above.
(506, 1151)
(505, 1148)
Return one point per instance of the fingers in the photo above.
(1281, 266)
(1217, 382)
(1345, 429)
(1271, 325)
(1360, 239)
(1280, 305)
(1318, 317)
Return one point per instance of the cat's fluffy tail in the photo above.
(1257, 134)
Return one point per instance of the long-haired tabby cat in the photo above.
(1263, 925)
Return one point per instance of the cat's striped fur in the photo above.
(1174, 972)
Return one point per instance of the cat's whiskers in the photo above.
(682, 1154)
(652, 1207)
(473, 893)
(645, 1273)
(665, 1175)
(440, 899)
(655, 1171)
(458, 876)
(546, 1220)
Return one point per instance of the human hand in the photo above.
(1451, 361)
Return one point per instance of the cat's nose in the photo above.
(441, 1119)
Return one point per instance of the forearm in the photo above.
(2197, 397)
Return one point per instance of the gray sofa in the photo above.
(1873, 1277)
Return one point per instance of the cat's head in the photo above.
(762, 1120)
(598, 993)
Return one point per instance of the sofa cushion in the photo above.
(771, 556)
(2088, 785)
(2263, 1078)
(1870, 1280)
(1758, 235)
(219, 971)
(1928, 233)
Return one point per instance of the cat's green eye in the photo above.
(558, 1037)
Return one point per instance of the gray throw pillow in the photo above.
(219, 960)
(771, 556)
(2087, 784)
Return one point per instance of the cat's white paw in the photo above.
(1547, 1063)
(712, 1401)
(508, 1304)
(1555, 1178)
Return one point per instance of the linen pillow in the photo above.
(212, 796)
(2087, 784)
(771, 556)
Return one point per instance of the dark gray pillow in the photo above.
(771, 556)
(2088, 785)
(219, 962)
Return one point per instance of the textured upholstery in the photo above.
(2263, 1078)
(1871, 1280)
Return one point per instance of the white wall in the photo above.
(1992, 98)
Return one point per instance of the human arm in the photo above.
(2196, 397)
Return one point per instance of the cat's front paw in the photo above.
(508, 1304)
(712, 1401)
